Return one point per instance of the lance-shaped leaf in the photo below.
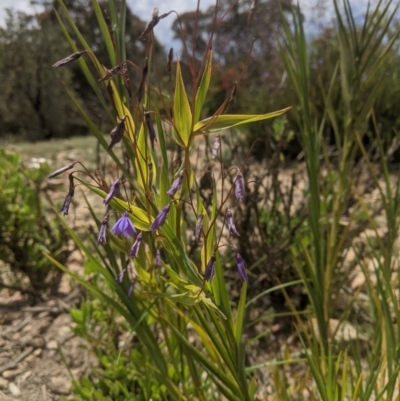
(203, 88)
(144, 160)
(222, 122)
(182, 112)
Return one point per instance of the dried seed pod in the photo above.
(169, 63)
(142, 85)
(68, 59)
(117, 133)
(150, 129)
(62, 170)
(199, 227)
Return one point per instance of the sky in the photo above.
(144, 8)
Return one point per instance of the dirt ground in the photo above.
(39, 354)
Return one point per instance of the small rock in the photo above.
(14, 390)
(30, 359)
(60, 385)
(37, 352)
(2, 343)
(25, 375)
(9, 374)
(53, 344)
(28, 328)
(37, 342)
(3, 383)
(43, 314)
(63, 334)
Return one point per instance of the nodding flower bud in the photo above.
(113, 190)
(62, 170)
(231, 224)
(130, 289)
(199, 227)
(160, 219)
(216, 147)
(142, 84)
(117, 133)
(65, 207)
(210, 271)
(241, 268)
(150, 129)
(68, 59)
(176, 184)
(120, 276)
(158, 258)
(136, 246)
(102, 239)
(71, 190)
(240, 191)
(124, 226)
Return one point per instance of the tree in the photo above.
(33, 102)
(30, 85)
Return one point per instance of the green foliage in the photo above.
(27, 230)
(186, 327)
(183, 320)
(350, 93)
(125, 371)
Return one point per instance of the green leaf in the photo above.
(222, 122)
(182, 112)
(240, 314)
(104, 32)
(203, 88)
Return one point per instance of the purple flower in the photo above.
(210, 271)
(120, 276)
(136, 246)
(160, 219)
(101, 239)
(117, 133)
(176, 184)
(69, 59)
(158, 258)
(241, 267)
(130, 289)
(199, 226)
(62, 170)
(231, 224)
(113, 190)
(216, 147)
(124, 226)
(65, 207)
(240, 190)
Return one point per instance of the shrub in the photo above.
(27, 229)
